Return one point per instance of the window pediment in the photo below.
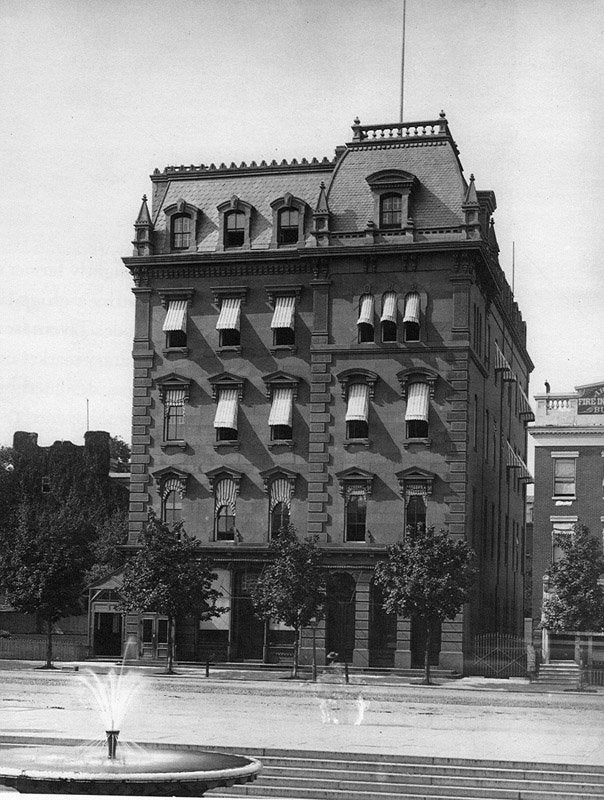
(415, 481)
(173, 381)
(221, 473)
(171, 479)
(281, 380)
(417, 375)
(355, 476)
(225, 380)
(392, 180)
(275, 473)
(357, 375)
(170, 294)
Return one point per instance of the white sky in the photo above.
(96, 93)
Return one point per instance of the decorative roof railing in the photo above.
(401, 130)
(188, 169)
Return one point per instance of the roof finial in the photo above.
(144, 198)
(442, 114)
(472, 177)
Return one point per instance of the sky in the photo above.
(97, 93)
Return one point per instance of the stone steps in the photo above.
(560, 673)
(300, 775)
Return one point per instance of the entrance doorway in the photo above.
(418, 642)
(107, 640)
(382, 630)
(248, 629)
(154, 637)
(339, 616)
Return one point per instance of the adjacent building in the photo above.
(330, 343)
(569, 475)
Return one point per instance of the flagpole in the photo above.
(403, 60)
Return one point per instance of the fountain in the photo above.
(78, 767)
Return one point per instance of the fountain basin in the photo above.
(150, 769)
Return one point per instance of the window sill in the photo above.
(176, 351)
(233, 445)
(230, 349)
(570, 497)
(423, 442)
(283, 348)
(286, 444)
(173, 444)
(356, 442)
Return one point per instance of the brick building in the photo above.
(569, 474)
(330, 343)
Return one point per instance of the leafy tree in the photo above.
(119, 449)
(576, 602)
(43, 562)
(110, 533)
(291, 588)
(428, 576)
(169, 575)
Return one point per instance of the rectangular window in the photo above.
(280, 417)
(561, 533)
(506, 541)
(564, 477)
(356, 515)
(357, 411)
(492, 531)
(175, 324)
(475, 423)
(174, 422)
(418, 406)
(225, 420)
(282, 323)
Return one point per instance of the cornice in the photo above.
(206, 173)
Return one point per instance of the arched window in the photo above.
(388, 318)
(415, 511)
(412, 316)
(365, 320)
(234, 229)
(289, 220)
(225, 524)
(391, 206)
(172, 508)
(279, 518)
(181, 232)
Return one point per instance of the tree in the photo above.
(118, 449)
(576, 601)
(110, 533)
(169, 575)
(428, 576)
(291, 589)
(43, 562)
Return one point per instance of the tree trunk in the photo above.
(170, 659)
(48, 664)
(427, 652)
(296, 652)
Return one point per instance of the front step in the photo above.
(560, 673)
(300, 775)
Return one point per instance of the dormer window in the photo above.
(234, 229)
(289, 220)
(181, 232)
(391, 206)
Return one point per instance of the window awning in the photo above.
(281, 408)
(230, 314)
(281, 492)
(175, 397)
(358, 403)
(418, 402)
(226, 411)
(525, 409)
(226, 493)
(412, 304)
(366, 310)
(283, 316)
(176, 316)
(501, 364)
(389, 307)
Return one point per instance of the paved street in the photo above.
(454, 721)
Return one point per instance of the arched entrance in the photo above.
(382, 630)
(339, 615)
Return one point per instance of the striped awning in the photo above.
(412, 305)
(513, 459)
(525, 409)
(176, 316)
(230, 314)
(281, 408)
(172, 485)
(418, 402)
(366, 310)
(389, 307)
(225, 493)
(226, 411)
(281, 492)
(175, 397)
(358, 403)
(502, 365)
(283, 315)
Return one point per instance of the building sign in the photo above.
(592, 400)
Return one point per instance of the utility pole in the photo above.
(403, 60)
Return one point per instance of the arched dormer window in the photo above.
(392, 190)
(182, 221)
(390, 211)
(235, 219)
(288, 221)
